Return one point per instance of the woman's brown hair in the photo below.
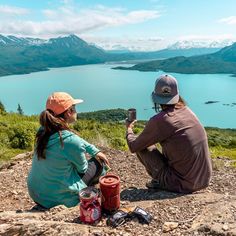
(181, 103)
(50, 124)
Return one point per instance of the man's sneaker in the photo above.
(153, 184)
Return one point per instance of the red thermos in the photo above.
(90, 208)
(110, 192)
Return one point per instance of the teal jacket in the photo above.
(55, 180)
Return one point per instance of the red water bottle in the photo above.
(90, 208)
(110, 192)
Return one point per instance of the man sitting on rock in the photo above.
(184, 164)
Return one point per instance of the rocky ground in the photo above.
(208, 212)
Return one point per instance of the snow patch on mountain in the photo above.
(185, 44)
(124, 45)
(13, 40)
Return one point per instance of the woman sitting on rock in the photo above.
(184, 164)
(60, 168)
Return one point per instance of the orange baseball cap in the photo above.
(59, 102)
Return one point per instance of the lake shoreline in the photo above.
(132, 68)
(103, 88)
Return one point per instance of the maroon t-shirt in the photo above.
(184, 144)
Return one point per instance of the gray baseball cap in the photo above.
(166, 90)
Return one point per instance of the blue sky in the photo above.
(134, 24)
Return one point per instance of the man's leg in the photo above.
(154, 163)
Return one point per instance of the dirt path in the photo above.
(208, 212)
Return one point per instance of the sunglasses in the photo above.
(73, 109)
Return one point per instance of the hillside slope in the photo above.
(208, 212)
(27, 56)
(223, 61)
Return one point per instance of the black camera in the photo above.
(118, 218)
(142, 215)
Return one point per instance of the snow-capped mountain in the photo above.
(69, 41)
(25, 55)
(186, 44)
(12, 40)
(73, 39)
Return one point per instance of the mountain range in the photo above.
(25, 55)
(222, 61)
(185, 44)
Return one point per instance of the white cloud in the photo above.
(70, 20)
(11, 10)
(127, 43)
(207, 38)
(139, 16)
(51, 14)
(231, 20)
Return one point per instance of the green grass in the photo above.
(7, 153)
(17, 134)
(222, 142)
(223, 152)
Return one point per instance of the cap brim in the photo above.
(77, 101)
(165, 100)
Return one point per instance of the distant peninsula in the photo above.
(223, 61)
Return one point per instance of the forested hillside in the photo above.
(223, 61)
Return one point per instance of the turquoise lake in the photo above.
(104, 88)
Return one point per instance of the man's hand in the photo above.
(101, 157)
(130, 125)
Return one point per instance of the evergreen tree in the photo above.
(20, 110)
(2, 108)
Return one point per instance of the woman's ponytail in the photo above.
(50, 124)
